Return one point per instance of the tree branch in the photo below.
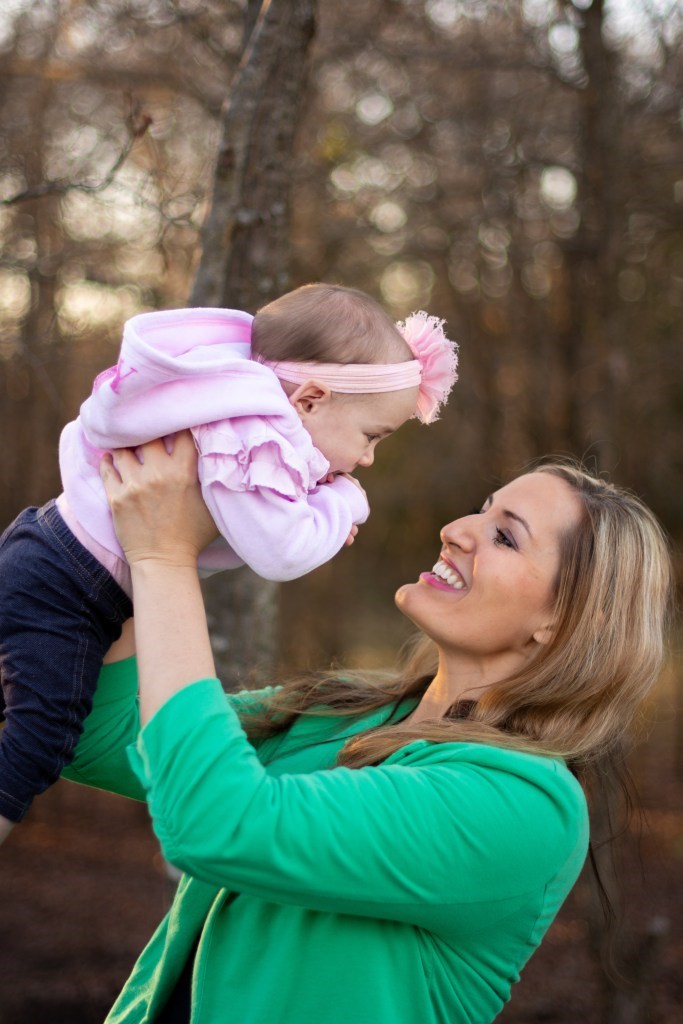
(137, 124)
(150, 81)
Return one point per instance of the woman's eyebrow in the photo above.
(511, 515)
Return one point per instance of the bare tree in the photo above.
(245, 262)
(33, 378)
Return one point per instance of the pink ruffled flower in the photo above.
(438, 357)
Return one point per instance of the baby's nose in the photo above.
(367, 459)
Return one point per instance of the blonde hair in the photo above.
(327, 323)
(579, 696)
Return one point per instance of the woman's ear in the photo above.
(309, 397)
(545, 634)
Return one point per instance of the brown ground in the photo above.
(84, 886)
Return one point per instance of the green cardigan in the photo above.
(408, 893)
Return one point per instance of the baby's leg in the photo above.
(60, 611)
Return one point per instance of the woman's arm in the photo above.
(124, 647)
(163, 524)
(429, 837)
(101, 758)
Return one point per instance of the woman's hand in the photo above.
(156, 502)
(163, 524)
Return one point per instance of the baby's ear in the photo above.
(309, 397)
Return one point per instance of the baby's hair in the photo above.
(327, 323)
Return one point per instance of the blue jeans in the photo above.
(60, 611)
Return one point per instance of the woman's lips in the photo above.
(449, 574)
(433, 581)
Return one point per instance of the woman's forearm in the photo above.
(163, 524)
(171, 632)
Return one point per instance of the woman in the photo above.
(412, 881)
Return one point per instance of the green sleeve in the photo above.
(409, 840)
(114, 722)
(247, 701)
(101, 758)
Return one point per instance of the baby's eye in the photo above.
(372, 437)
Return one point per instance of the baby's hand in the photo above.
(331, 477)
(328, 480)
(351, 537)
(347, 476)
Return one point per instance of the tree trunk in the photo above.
(591, 340)
(32, 376)
(245, 263)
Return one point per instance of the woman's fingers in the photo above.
(156, 500)
(108, 471)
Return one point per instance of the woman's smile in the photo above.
(444, 576)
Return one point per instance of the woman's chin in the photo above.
(426, 581)
(403, 595)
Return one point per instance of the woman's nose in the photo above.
(460, 533)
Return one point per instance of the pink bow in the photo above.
(438, 358)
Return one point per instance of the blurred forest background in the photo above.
(513, 167)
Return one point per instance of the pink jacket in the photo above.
(258, 467)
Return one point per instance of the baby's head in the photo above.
(327, 323)
(351, 373)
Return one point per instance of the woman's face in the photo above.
(490, 594)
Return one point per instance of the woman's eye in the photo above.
(499, 537)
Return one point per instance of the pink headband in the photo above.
(350, 378)
(433, 371)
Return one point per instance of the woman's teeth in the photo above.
(448, 575)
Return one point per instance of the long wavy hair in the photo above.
(578, 697)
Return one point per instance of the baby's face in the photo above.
(348, 428)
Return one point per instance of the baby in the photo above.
(283, 407)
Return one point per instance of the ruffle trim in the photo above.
(239, 464)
